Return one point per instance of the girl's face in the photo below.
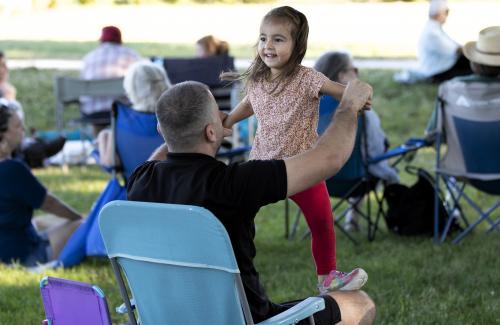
(275, 44)
(14, 134)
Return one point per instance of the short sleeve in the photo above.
(26, 188)
(316, 80)
(257, 183)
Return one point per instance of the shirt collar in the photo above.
(175, 156)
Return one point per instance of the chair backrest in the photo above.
(469, 117)
(68, 90)
(135, 134)
(205, 70)
(355, 167)
(72, 302)
(178, 261)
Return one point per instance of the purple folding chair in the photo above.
(69, 302)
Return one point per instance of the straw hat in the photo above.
(487, 48)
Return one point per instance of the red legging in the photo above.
(315, 205)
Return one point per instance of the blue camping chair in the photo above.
(472, 155)
(180, 266)
(354, 180)
(136, 137)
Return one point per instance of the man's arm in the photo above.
(334, 147)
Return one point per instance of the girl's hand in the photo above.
(226, 121)
(226, 124)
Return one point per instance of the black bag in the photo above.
(411, 209)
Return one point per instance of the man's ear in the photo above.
(158, 128)
(210, 134)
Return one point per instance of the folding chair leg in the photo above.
(123, 291)
(311, 320)
(494, 226)
(482, 216)
(380, 212)
(295, 225)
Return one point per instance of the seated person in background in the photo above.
(191, 125)
(143, 84)
(480, 88)
(20, 193)
(210, 46)
(439, 57)
(32, 150)
(109, 60)
(339, 67)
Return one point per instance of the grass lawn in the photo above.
(411, 280)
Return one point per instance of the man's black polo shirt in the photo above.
(234, 194)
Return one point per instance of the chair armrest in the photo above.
(298, 312)
(408, 146)
(122, 309)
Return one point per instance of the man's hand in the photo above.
(357, 96)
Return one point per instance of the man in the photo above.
(109, 60)
(439, 57)
(191, 125)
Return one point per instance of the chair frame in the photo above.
(82, 287)
(68, 90)
(456, 189)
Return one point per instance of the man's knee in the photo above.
(356, 307)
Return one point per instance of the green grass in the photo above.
(412, 280)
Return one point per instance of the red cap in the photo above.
(111, 34)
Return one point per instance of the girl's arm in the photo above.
(336, 90)
(242, 111)
(332, 88)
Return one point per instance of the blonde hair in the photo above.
(144, 83)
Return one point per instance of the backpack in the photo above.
(411, 209)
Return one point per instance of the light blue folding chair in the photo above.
(468, 119)
(180, 266)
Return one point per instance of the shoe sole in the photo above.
(357, 282)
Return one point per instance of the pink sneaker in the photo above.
(343, 281)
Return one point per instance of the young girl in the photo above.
(284, 97)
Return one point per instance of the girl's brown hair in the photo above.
(258, 70)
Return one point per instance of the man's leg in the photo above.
(356, 307)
